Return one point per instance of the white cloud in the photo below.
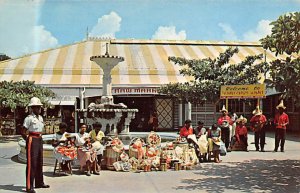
(229, 33)
(20, 33)
(262, 29)
(169, 33)
(107, 26)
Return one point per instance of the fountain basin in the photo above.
(48, 157)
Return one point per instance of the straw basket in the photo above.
(111, 157)
(134, 152)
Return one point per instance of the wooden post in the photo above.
(180, 113)
(227, 104)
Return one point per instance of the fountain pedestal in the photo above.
(111, 116)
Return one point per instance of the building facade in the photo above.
(68, 71)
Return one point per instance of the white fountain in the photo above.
(110, 115)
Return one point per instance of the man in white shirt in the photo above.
(34, 125)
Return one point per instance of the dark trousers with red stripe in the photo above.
(34, 155)
(260, 139)
(280, 138)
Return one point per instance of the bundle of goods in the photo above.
(153, 139)
(137, 148)
(123, 165)
(153, 157)
(167, 154)
(134, 163)
(113, 150)
(189, 158)
(117, 145)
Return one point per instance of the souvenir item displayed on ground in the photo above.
(153, 139)
(134, 163)
(179, 152)
(117, 145)
(168, 155)
(151, 152)
(124, 157)
(145, 164)
(163, 167)
(133, 160)
(170, 145)
(177, 166)
(137, 148)
(190, 157)
(153, 157)
(111, 156)
(123, 165)
(181, 140)
(126, 167)
(117, 166)
(155, 162)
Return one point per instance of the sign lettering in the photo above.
(139, 90)
(243, 91)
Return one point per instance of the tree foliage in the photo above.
(285, 39)
(4, 57)
(210, 74)
(13, 94)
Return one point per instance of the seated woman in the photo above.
(241, 132)
(86, 154)
(64, 150)
(97, 136)
(187, 133)
(214, 142)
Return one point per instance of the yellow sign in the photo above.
(243, 91)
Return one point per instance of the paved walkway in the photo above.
(239, 172)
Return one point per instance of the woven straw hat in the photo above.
(257, 111)
(241, 119)
(224, 109)
(281, 105)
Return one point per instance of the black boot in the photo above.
(205, 157)
(99, 157)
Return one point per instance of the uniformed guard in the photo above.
(34, 125)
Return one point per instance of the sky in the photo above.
(28, 26)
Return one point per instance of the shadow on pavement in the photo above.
(290, 135)
(75, 172)
(12, 188)
(255, 176)
(15, 159)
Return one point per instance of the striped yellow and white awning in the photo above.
(146, 62)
